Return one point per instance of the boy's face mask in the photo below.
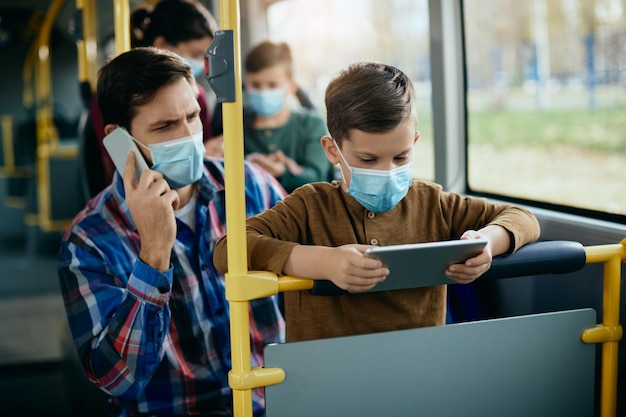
(179, 160)
(266, 102)
(378, 190)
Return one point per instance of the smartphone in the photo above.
(117, 144)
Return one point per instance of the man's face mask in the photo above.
(378, 190)
(266, 102)
(179, 160)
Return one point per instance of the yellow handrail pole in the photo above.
(609, 333)
(237, 259)
(87, 45)
(28, 99)
(7, 144)
(47, 134)
(121, 19)
(28, 73)
(236, 218)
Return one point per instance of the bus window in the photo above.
(327, 35)
(546, 92)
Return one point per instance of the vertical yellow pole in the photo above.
(610, 319)
(609, 332)
(236, 214)
(121, 17)
(47, 135)
(87, 45)
(7, 144)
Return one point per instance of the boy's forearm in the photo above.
(307, 262)
(499, 239)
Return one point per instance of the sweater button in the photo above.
(371, 214)
(374, 242)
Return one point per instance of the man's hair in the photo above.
(133, 79)
(176, 20)
(370, 97)
(268, 54)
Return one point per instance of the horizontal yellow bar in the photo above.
(288, 283)
(15, 202)
(48, 225)
(16, 172)
(602, 253)
(256, 377)
(251, 286)
(602, 333)
(69, 151)
(259, 284)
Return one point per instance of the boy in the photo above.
(321, 230)
(145, 305)
(283, 140)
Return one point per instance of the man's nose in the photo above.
(189, 129)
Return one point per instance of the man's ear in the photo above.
(417, 137)
(109, 128)
(330, 149)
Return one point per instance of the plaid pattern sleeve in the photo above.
(158, 342)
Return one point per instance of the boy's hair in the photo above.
(133, 79)
(370, 97)
(176, 20)
(268, 54)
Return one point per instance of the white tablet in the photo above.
(422, 264)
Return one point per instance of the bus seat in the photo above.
(92, 172)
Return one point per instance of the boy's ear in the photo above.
(330, 149)
(417, 137)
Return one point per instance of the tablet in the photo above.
(422, 264)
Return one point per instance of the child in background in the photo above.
(322, 230)
(283, 140)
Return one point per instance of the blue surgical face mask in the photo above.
(197, 66)
(179, 160)
(378, 190)
(266, 102)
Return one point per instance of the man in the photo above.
(145, 305)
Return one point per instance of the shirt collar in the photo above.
(207, 190)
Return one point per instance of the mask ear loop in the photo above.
(143, 146)
(343, 177)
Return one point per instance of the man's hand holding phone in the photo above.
(151, 202)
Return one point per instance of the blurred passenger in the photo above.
(283, 139)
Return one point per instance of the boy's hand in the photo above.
(350, 270)
(474, 267)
